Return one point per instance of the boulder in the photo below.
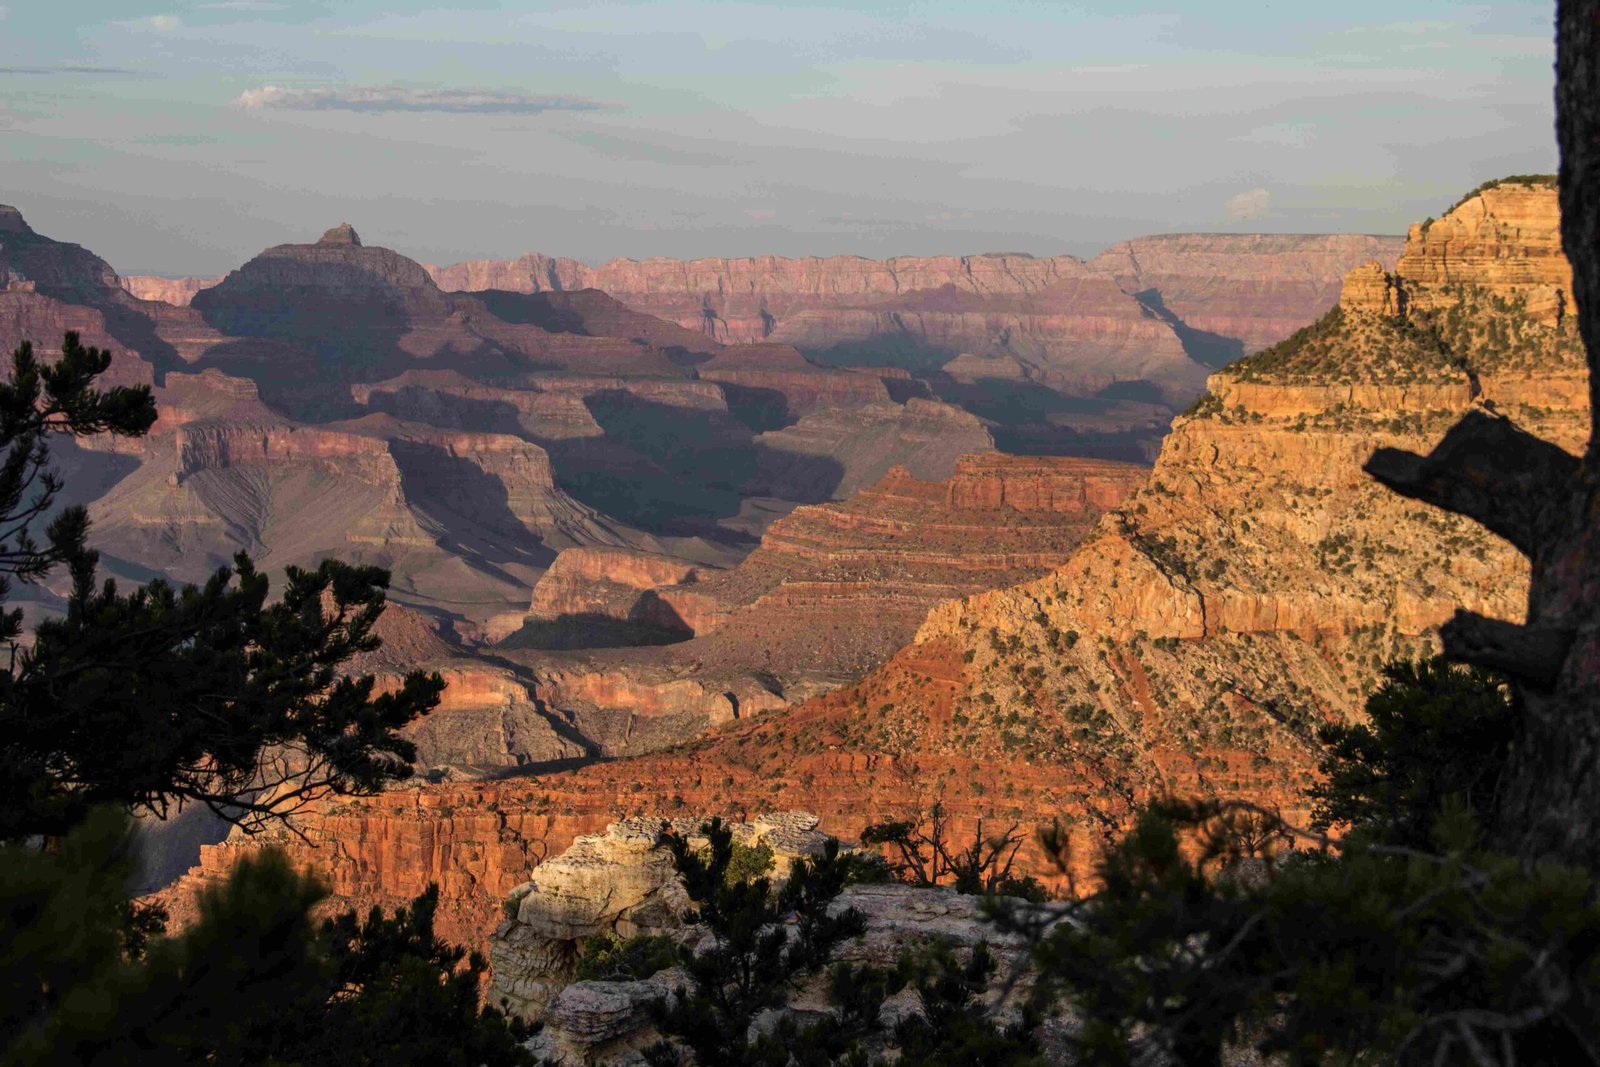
(622, 883)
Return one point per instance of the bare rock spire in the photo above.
(11, 220)
(342, 234)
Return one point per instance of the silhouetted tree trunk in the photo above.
(1548, 505)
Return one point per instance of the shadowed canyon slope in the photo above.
(830, 592)
(622, 651)
(329, 398)
(1191, 643)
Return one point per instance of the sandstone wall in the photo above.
(176, 291)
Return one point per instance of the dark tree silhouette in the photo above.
(137, 702)
(168, 696)
(1545, 503)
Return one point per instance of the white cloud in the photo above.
(164, 23)
(241, 5)
(1251, 205)
(460, 101)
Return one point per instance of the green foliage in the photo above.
(1409, 941)
(608, 958)
(1304, 345)
(748, 862)
(136, 702)
(399, 995)
(764, 938)
(1466, 330)
(253, 980)
(953, 1026)
(1435, 732)
(768, 940)
(1204, 406)
(88, 716)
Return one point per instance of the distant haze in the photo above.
(181, 137)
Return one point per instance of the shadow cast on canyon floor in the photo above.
(591, 630)
(675, 471)
(1209, 349)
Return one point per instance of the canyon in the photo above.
(1189, 639)
(1059, 353)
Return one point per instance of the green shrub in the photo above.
(609, 958)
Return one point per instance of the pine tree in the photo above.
(142, 701)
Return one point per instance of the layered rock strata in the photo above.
(176, 291)
(831, 590)
(1232, 294)
(621, 883)
(1251, 591)
(1076, 325)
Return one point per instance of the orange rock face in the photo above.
(832, 590)
(1037, 483)
(1503, 240)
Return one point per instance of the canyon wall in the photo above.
(1237, 293)
(175, 291)
(1153, 309)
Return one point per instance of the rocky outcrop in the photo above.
(1069, 486)
(293, 289)
(1504, 240)
(620, 883)
(1501, 243)
(629, 701)
(1370, 288)
(613, 587)
(601, 1022)
(488, 723)
(25, 315)
(605, 1022)
(48, 286)
(623, 883)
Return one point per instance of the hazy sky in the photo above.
(184, 136)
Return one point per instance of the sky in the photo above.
(183, 136)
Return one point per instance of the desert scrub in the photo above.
(609, 958)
